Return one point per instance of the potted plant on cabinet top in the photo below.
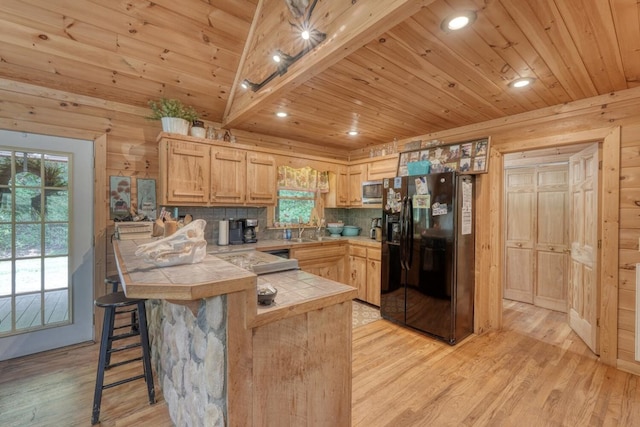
(175, 117)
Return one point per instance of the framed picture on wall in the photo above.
(466, 157)
(119, 196)
(147, 197)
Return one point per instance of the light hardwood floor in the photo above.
(535, 372)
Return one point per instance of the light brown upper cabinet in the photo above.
(204, 174)
(338, 195)
(261, 179)
(184, 172)
(228, 175)
(379, 169)
(345, 187)
(357, 175)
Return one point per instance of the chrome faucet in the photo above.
(300, 230)
(321, 226)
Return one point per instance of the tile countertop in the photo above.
(298, 292)
(186, 282)
(275, 244)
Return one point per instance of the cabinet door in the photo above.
(374, 265)
(261, 179)
(328, 261)
(357, 175)
(228, 175)
(342, 188)
(380, 169)
(358, 270)
(187, 172)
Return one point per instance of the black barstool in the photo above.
(113, 304)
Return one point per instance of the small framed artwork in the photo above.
(466, 157)
(147, 197)
(119, 196)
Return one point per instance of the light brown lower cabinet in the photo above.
(364, 272)
(326, 259)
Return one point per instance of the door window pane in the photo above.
(56, 239)
(56, 172)
(5, 278)
(56, 205)
(28, 311)
(5, 241)
(56, 273)
(56, 306)
(28, 240)
(5, 314)
(28, 275)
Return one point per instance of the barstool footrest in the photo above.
(125, 335)
(124, 362)
(127, 380)
(123, 348)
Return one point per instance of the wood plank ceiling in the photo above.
(386, 69)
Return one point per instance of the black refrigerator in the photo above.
(428, 254)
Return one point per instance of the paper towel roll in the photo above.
(223, 233)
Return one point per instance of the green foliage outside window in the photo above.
(294, 206)
(31, 208)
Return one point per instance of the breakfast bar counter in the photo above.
(222, 359)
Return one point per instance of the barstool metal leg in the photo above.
(146, 354)
(107, 330)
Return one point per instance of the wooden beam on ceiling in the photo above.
(351, 30)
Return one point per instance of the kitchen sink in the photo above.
(307, 240)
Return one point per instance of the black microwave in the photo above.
(372, 192)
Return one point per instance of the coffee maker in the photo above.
(236, 235)
(249, 230)
(376, 228)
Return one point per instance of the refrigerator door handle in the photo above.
(409, 252)
(402, 233)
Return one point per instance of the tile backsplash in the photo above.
(358, 217)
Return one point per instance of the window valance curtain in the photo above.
(303, 179)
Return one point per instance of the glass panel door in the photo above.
(34, 236)
(46, 243)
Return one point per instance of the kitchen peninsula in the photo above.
(223, 359)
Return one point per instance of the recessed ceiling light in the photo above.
(281, 114)
(458, 21)
(520, 83)
(305, 34)
(353, 132)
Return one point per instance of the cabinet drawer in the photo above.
(360, 251)
(374, 254)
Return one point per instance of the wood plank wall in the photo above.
(587, 120)
(132, 151)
